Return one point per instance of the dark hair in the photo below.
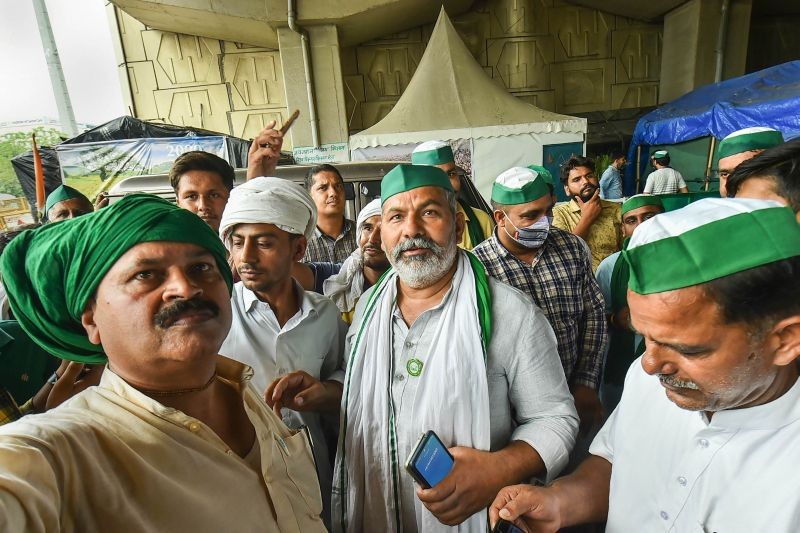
(197, 160)
(662, 160)
(575, 162)
(760, 296)
(9, 235)
(313, 171)
(780, 164)
(617, 155)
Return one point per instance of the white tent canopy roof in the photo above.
(451, 97)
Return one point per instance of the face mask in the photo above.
(532, 236)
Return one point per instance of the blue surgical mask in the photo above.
(532, 236)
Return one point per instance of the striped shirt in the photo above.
(561, 282)
(664, 181)
(325, 249)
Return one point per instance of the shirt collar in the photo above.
(250, 300)
(228, 370)
(773, 415)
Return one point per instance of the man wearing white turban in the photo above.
(365, 265)
(283, 332)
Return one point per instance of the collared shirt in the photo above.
(312, 340)
(665, 180)
(675, 470)
(611, 183)
(561, 283)
(528, 397)
(325, 249)
(113, 459)
(605, 235)
(484, 221)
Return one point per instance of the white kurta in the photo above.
(673, 470)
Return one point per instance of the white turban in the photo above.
(370, 210)
(269, 201)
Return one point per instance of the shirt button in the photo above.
(664, 515)
(281, 371)
(409, 344)
(703, 443)
(194, 427)
(229, 452)
(399, 377)
(682, 481)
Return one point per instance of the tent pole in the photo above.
(638, 167)
(710, 162)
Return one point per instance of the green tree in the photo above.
(15, 143)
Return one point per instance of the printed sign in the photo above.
(327, 153)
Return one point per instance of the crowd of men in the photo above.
(250, 359)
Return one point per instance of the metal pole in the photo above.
(65, 114)
(304, 47)
(722, 36)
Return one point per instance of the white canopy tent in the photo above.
(451, 98)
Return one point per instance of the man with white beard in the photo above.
(437, 345)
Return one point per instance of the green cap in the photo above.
(432, 153)
(641, 200)
(660, 154)
(63, 192)
(405, 177)
(748, 139)
(544, 173)
(518, 185)
(705, 241)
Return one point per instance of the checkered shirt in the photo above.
(325, 249)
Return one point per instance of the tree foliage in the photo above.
(18, 142)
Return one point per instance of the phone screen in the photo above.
(434, 461)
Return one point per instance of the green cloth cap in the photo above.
(660, 154)
(748, 139)
(50, 273)
(405, 177)
(641, 200)
(432, 153)
(63, 192)
(709, 239)
(519, 185)
(544, 173)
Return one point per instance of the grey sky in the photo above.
(83, 37)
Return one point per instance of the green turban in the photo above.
(405, 177)
(50, 273)
(641, 200)
(64, 192)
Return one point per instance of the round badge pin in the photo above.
(414, 367)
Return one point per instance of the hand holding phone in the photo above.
(504, 526)
(429, 462)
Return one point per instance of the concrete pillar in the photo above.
(690, 40)
(328, 92)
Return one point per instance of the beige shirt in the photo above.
(605, 235)
(113, 459)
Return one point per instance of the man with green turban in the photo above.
(612, 276)
(439, 154)
(705, 435)
(438, 345)
(66, 202)
(174, 437)
(741, 145)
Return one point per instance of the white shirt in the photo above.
(664, 180)
(113, 459)
(674, 470)
(312, 340)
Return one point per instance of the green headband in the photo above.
(544, 173)
(641, 200)
(62, 193)
(759, 140)
(437, 156)
(405, 177)
(711, 251)
(533, 190)
(51, 273)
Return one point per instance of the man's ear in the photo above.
(498, 216)
(460, 225)
(300, 245)
(88, 323)
(786, 340)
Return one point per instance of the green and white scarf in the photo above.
(452, 399)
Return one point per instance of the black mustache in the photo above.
(168, 315)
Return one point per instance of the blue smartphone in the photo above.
(430, 462)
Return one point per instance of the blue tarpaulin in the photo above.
(769, 97)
